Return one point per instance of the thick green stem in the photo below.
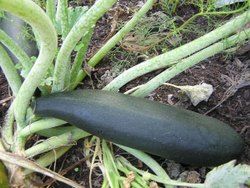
(40, 125)
(63, 17)
(7, 129)
(77, 65)
(56, 142)
(10, 72)
(49, 158)
(80, 29)
(51, 10)
(58, 8)
(56, 131)
(15, 83)
(171, 57)
(116, 38)
(35, 16)
(16, 50)
(184, 64)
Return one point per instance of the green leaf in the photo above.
(228, 175)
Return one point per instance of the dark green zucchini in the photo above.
(167, 131)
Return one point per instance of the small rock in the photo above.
(153, 185)
(246, 95)
(190, 177)
(203, 172)
(173, 170)
(107, 77)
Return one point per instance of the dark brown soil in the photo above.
(4, 94)
(217, 71)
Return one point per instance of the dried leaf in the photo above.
(196, 93)
(23, 162)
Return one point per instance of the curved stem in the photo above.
(40, 125)
(160, 179)
(145, 158)
(116, 38)
(171, 57)
(79, 30)
(149, 161)
(35, 16)
(16, 50)
(10, 71)
(56, 142)
(184, 64)
(7, 129)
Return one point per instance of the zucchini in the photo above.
(167, 131)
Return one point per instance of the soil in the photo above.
(221, 71)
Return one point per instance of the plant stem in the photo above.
(16, 50)
(56, 142)
(116, 38)
(40, 125)
(34, 15)
(56, 131)
(7, 129)
(49, 158)
(157, 178)
(79, 30)
(171, 57)
(25, 163)
(149, 161)
(138, 179)
(51, 10)
(77, 65)
(10, 72)
(184, 64)
(58, 12)
(111, 171)
(63, 13)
